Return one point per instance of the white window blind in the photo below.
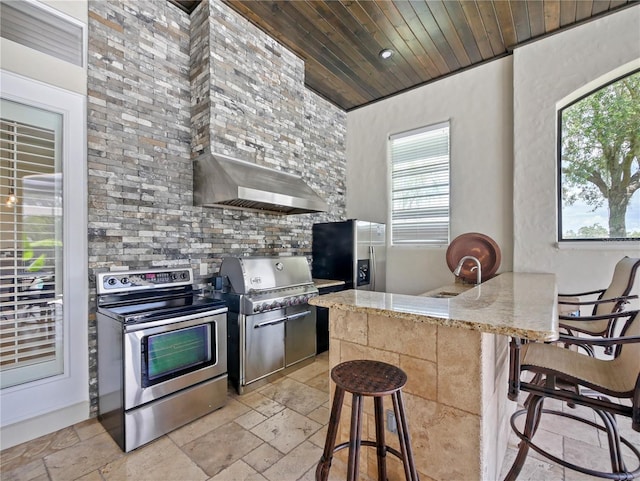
(30, 248)
(420, 186)
(39, 28)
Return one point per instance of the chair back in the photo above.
(621, 284)
(627, 357)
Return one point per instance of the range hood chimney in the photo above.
(221, 181)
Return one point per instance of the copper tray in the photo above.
(480, 246)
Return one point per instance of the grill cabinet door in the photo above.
(300, 333)
(264, 345)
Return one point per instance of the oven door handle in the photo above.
(298, 315)
(270, 323)
(188, 320)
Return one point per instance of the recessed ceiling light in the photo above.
(386, 53)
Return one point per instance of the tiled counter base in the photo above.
(453, 436)
(456, 394)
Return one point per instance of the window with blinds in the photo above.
(420, 186)
(30, 244)
(38, 27)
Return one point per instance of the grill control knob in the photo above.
(124, 280)
(183, 276)
(112, 281)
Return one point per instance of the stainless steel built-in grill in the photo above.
(270, 323)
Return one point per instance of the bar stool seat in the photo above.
(375, 379)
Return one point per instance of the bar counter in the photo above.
(452, 343)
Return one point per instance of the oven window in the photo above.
(177, 351)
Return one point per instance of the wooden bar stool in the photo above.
(367, 378)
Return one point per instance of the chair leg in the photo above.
(534, 410)
(355, 438)
(613, 439)
(322, 471)
(381, 447)
(403, 435)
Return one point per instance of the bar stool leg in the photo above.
(613, 438)
(355, 438)
(381, 447)
(322, 471)
(534, 410)
(403, 436)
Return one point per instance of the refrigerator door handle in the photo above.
(372, 267)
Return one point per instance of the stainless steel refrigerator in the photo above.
(353, 251)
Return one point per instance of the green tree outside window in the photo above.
(599, 162)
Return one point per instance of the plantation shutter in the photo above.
(420, 186)
(30, 249)
(38, 28)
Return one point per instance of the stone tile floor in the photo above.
(274, 433)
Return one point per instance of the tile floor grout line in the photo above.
(292, 399)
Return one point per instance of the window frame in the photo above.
(431, 243)
(25, 401)
(559, 204)
(23, 370)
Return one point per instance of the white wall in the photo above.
(503, 154)
(548, 74)
(478, 104)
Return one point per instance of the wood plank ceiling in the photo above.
(340, 41)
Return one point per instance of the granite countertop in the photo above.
(513, 304)
(319, 283)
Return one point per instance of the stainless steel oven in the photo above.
(162, 353)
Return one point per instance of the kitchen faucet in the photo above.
(477, 268)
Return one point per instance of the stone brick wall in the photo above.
(140, 172)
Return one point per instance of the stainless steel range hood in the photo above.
(221, 181)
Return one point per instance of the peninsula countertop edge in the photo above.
(514, 304)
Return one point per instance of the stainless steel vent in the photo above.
(224, 181)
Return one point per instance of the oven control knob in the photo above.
(275, 305)
(183, 276)
(125, 280)
(256, 308)
(112, 281)
(287, 302)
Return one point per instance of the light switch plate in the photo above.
(203, 268)
(392, 426)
